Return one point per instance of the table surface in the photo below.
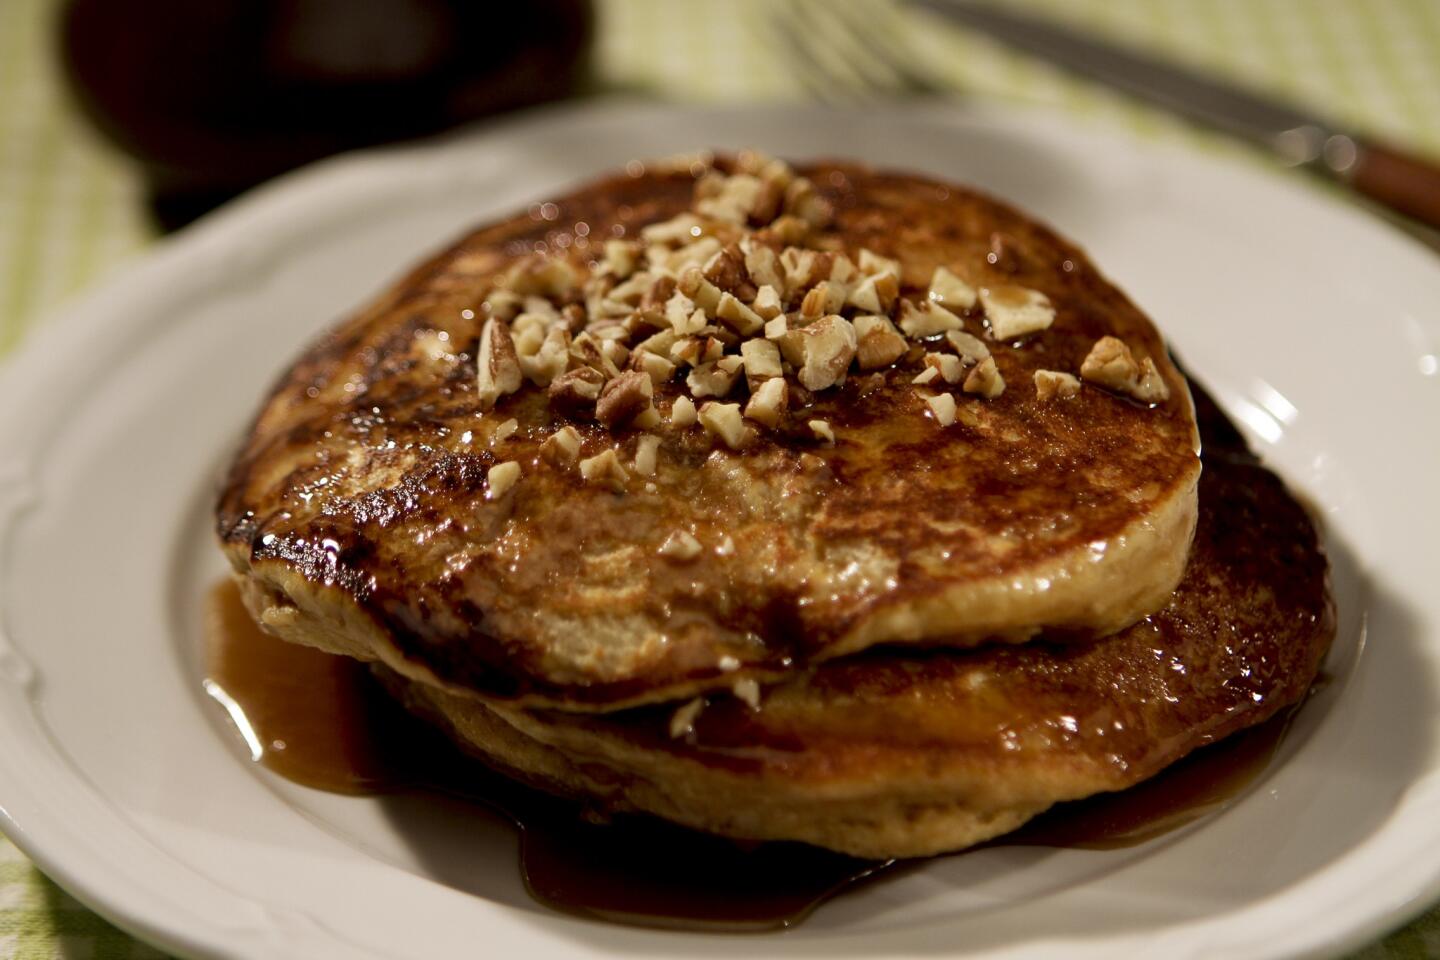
(71, 209)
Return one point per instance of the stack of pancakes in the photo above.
(959, 563)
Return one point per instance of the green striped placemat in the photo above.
(70, 207)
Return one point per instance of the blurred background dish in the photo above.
(212, 98)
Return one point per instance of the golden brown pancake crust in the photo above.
(900, 752)
(356, 508)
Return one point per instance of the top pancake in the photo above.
(361, 515)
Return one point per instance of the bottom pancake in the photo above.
(905, 753)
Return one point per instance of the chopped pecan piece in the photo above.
(948, 289)
(1015, 311)
(723, 420)
(497, 366)
(878, 343)
(500, 478)
(562, 447)
(576, 392)
(1050, 384)
(624, 398)
(984, 379)
(942, 407)
(768, 402)
(605, 467)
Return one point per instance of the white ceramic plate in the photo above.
(1315, 326)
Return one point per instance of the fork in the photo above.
(847, 52)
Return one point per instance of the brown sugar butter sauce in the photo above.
(323, 721)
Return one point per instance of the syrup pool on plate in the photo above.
(324, 722)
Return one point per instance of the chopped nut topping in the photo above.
(549, 360)
(1110, 364)
(927, 319)
(711, 380)
(872, 264)
(763, 265)
(971, 348)
(825, 349)
(498, 368)
(727, 269)
(747, 690)
(621, 257)
(678, 229)
(762, 360)
(726, 549)
(804, 268)
(503, 303)
(613, 351)
(875, 294)
(624, 398)
(576, 391)
(727, 663)
(723, 420)
(737, 316)
(767, 303)
(505, 431)
(705, 294)
(500, 478)
(528, 332)
(662, 288)
(632, 291)
(587, 349)
(656, 367)
(687, 351)
(802, 200)
(682, 721)
(680, 546)
(878, 343)
(985, 379)
(942, 406)
(948, 364)
(659, 344)
(685, 318)
(1050, 384)
(738, 195)
(605, 467)
(646, 450)
(786, 229)
(562, 447)
(1151, 388)
(947, 288)
(543, 276)
(825, 297)
(691, 255)
(821, 429)
(682, 412)
(1015, 311)
(768, 402)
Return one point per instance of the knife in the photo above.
(1389, 175)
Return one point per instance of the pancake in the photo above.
(924, 456)
(905, 753)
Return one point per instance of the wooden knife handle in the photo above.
(1400, 180)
